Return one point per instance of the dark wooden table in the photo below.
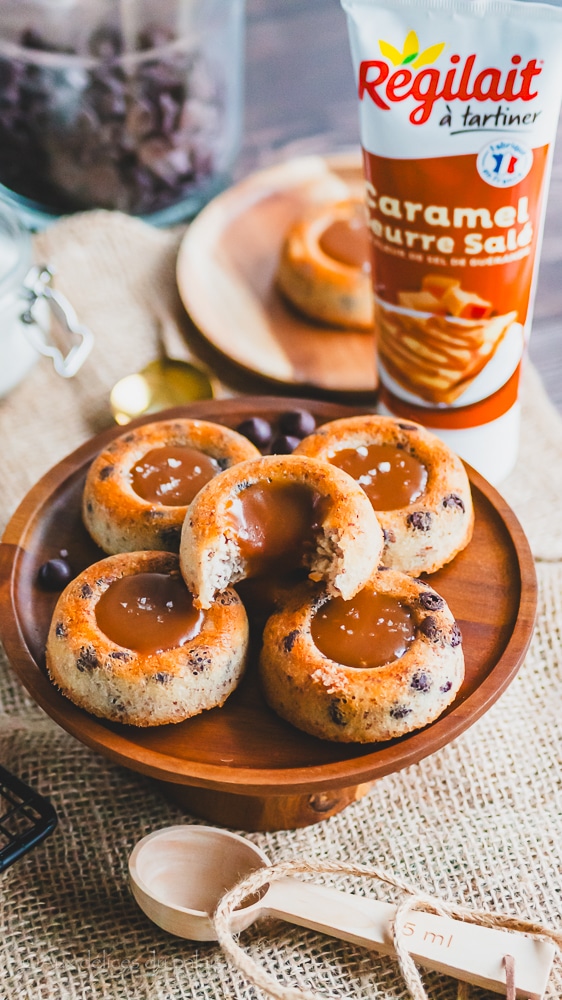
(300, 98)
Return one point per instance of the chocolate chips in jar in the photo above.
(138, 127)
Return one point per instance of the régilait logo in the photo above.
(410, 74)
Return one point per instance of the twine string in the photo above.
(414, 900)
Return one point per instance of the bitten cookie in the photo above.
(324, 268)
(407, 660)
(126, 643)
(274, 515)
(419, 488)
(138, 489)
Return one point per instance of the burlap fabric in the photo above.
(478, 823)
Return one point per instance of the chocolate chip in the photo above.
(456, 636)
(54, 574)
(408, 427)
(106, 472)
(284, 444)
(87, 659)
(120, 654)
(446, 687)
(170, 536)
(420, 520)
(60, 630)
(421, 681)
(290, 639)
(257, 430)
(86, 591)
(153, 37)
(226, 599)
(452, 500)
(389, 536)
(106, 43)
(335, 712)
(431, 601)
(430, 629)
(200, 660)
(162, 677)
(399, 712)
(297, 423)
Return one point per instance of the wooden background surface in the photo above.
(300, 98)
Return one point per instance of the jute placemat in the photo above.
(479, 823)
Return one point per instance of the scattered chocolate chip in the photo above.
(421, 681)
(86, 591)
(452, 500)
(257, 430)
(60, 630)
(120, 654)
(408, 427)
(290, 639)
(87, 659)
(335, 712)
(106, 472)
(54, 574)
(420, 520)
(430, 629)
(284, 444)
(399, 712)
(446, 687)
(456, 636)
(431, 601)
(297, 423)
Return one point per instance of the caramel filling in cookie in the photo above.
(391, 477)
(369, 631)
(172, 475)
(148, 613)
(275, 524)
(348, 242)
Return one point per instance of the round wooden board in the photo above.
(244, 748)
(226, 278)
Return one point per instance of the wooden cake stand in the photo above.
(241, 765)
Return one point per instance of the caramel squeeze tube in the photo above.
(458, 107)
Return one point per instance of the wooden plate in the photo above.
(241, 764)
(226, 279)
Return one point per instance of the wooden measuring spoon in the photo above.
(178, 875)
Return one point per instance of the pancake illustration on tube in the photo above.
(458, 109)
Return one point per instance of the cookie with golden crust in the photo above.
(335, 701)
(324, 268)
(143, 687)
(118, 518)
(254, 507)
(427, 532)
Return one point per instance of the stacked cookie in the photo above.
(331, 537)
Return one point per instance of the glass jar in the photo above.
(119, 104)
(27, 303)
